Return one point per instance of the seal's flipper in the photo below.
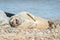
(9, 14)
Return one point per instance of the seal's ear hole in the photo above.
(31, 16)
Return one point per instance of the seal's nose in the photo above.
(17, 21)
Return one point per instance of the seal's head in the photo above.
(14, 22)
(21, 18)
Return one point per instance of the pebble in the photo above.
(12, 30)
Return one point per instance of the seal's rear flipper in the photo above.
(51, 24)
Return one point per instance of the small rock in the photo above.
(3, 18)
(12, 30)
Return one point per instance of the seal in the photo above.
(26, 20)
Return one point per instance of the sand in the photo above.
(11, 33)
